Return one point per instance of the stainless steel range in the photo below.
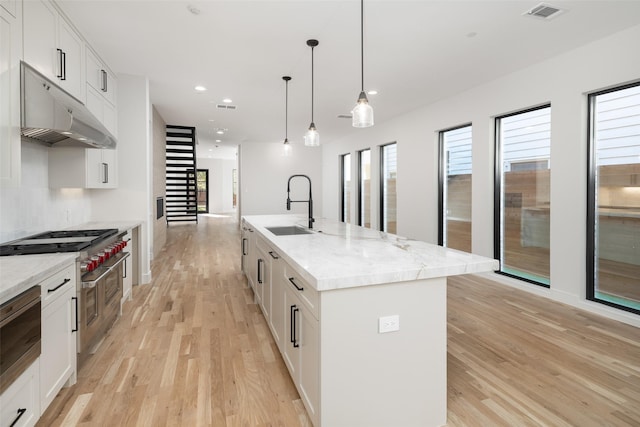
(100, 272)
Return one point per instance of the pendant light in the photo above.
(287, 145)
(312, 138)
(362, 113)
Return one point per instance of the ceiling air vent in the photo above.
(544, 11)
(226, 106)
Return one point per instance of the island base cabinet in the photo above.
(302, 351)
(20, 403)
(378, 379)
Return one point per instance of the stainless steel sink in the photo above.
(289, 230)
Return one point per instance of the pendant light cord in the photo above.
(286, 109)
(312, 47)
(362, 43)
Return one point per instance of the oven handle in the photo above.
(76, 304)
(92, 283)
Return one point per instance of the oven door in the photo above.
(100, 303)
(20, 335)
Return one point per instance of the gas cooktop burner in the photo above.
(56, 241)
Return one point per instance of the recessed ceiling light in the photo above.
(372, 92)
(227, 100)
(210, 149)
(82, 139)
(211, 120)
(218, 140)
(66, 133)
(200, 88)
(220, 132)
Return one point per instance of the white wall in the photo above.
(220, 183)
(264, 172)
(133, 199)
(33, 207)
(562, 81)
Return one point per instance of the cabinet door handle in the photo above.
(104, 80)
(76, 304)
(274, 256)
(21, 412)
(105, 173)
(59, 286)
(260, 274)
(124, 269)
(291, 324)
(244, 247)
(64, 65)
(293, 321)
(59, 75)
(294, 284)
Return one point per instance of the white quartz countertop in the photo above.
(338, 255)
(120, 225)
(19, 273)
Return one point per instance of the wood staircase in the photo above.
(181, 197)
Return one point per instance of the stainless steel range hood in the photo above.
(51, 115)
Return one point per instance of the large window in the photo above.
(345, 188)
(454, 229)
(522, 205)
(364, 188)
(203, 190)
(613, 216)
(388, 172)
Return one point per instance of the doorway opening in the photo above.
(203, 190)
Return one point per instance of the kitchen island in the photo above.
(359, 317)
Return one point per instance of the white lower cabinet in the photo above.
(302, 347)
(58, 356)
(20, 403)
(277, 316)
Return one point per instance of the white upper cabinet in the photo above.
(53, 47)
(10, 55)
(100, 77)
(75, 167)
(101, 92)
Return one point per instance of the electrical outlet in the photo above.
(389, 324)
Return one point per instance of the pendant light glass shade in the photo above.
(287, 146)
(286, 151)
(362, 113)
(312, 138)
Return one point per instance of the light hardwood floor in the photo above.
(192, 349)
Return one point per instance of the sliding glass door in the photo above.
(364, 188)
(388, 172)
(613, 221)
(454, 229)
(522, 194)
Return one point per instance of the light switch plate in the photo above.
(389, 324)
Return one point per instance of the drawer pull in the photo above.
(59, 286)
(273, 255)
(294, 284)
(21, 412)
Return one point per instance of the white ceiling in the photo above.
(416, 52)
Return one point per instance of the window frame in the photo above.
(343, 206)
(382, 193)
(591, 199)
(359, 210)
(442, 170)
(497, 194)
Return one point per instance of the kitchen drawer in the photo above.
(308, 295)
(57, 284)
(20, 403)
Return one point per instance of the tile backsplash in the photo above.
(34, 207)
